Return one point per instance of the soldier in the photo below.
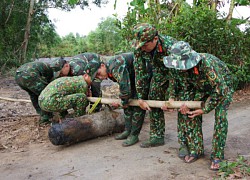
(33, 77)
(75, 67)
(65, 93)
(150, 48)
(120, 69)
(205, 78)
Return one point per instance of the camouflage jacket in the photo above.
(88, 56)
(77, 66)
(210, 78)
(65, 86)
(78, 63)
(36, 68)
(143, 60)
(120, 69)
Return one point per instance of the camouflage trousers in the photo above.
(134, 118)
(220, 128)
(157, 121)
(33, 85)
(61, 103)
(190, 131)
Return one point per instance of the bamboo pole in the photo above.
(134, 102)
(152, 103)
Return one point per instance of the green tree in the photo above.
(25, 28)
(106, 39)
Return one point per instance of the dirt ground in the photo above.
(26, 152)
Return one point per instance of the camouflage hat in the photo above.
(181, 57)
(92, 68)
(143, 33)
(57, 66)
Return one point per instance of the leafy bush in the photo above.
(238, 169)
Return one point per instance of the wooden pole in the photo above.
(152, 103)
(134, 102)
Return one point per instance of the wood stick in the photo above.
(134, 102)
(14, 100)
(152, 103)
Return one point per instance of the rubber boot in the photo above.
(131, 140)
(152, 143)
(123, 135)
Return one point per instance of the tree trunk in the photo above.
(230, 13)
(27, 31)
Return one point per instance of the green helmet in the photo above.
(92, 68)
(181, 56)
(143, 33)
(57, 66)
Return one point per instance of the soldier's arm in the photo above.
(218, 84)
(121, 74)
(77, 67)
(142, 78)
(171, 91)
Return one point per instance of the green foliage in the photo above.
(205, 30)
(207, 33)
(106, 39)
(242, 2)
(234, 169)
(12, 27)
(42, 38)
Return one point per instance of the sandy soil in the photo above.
(26, 152)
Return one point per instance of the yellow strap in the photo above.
(94, 105)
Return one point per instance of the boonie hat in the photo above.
(181, 57)
(143, 33)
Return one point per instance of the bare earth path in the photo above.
(26, 152)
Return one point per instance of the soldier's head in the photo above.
(146, 37)
(92, 68)
(60, 67)
(182, 57)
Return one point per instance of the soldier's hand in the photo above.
(125, 106)
(115, 105)
(143, 105)
(184, 109)
(197, 112)
(89, 93)
(165, 108)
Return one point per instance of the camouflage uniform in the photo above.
(33, 77)
(207, 79)
(96, 84)
(120, 69)
(65, 93)
(77, 67)
(152, 88)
